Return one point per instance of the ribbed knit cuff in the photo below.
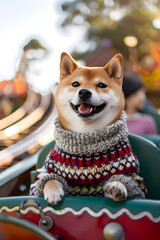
(51, 176)
(133, 190)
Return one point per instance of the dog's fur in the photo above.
(78, 90)
(89, 78)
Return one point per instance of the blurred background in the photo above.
(33, 35)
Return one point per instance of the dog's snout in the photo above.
(84, 94)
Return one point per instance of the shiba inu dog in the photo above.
(91, 136)
(89, 99)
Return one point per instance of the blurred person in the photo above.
(135, 97)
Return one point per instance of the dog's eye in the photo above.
(75, 84)
(101, 85)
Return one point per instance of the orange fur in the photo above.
(88, 77)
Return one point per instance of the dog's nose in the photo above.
(84, 94)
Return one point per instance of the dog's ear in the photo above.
(114, 68)
(67, 65)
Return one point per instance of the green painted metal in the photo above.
(148, 155)
(135, 206)
(33, 175)
(153, 138)
(43, 154)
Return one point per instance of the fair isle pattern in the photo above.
(92, 171)
(87, 161)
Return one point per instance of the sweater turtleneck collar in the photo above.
(93, 142)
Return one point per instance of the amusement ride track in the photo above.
(23, 133)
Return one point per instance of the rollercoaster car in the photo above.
(94, 218)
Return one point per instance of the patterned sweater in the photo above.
(83, 162)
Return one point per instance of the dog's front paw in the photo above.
(115, 190)
(53, 192)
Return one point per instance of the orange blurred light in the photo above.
(5, 158)
(19, 87)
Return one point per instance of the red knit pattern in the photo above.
(112, 157)
(93, 160)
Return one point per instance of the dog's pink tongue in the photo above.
(85, 108)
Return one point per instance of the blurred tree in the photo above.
(113, 20)
(33, 50)
(33, 44)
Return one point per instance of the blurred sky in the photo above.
(22, 20)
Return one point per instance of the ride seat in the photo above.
(147, 153)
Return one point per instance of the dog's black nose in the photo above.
(84, 94)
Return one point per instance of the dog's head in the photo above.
(89, 98)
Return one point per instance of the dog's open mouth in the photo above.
(86, 110)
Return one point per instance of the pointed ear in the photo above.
(114, 68)
(67, 65)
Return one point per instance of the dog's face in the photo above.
(89, 98)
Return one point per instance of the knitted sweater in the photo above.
(83, 162)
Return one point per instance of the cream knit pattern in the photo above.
(93, 142)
